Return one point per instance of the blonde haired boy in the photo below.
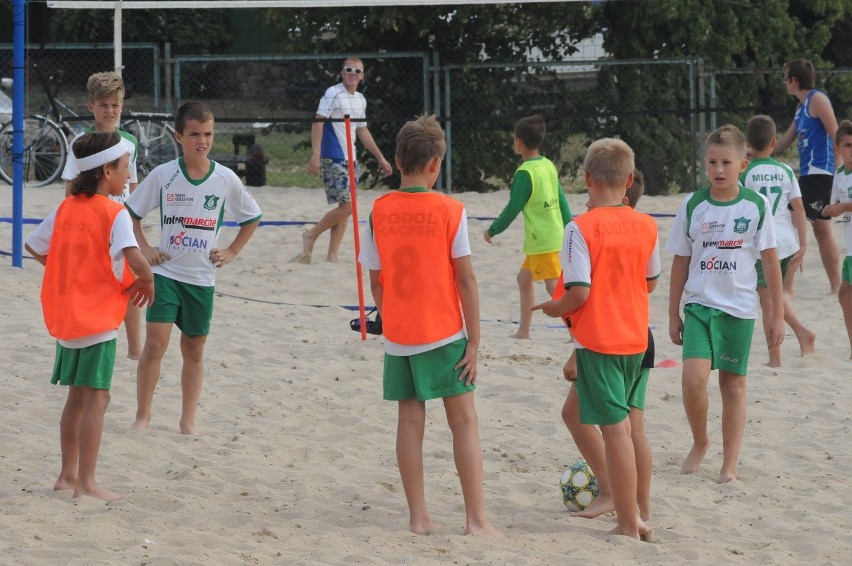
(610, 257)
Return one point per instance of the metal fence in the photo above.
(661, 107)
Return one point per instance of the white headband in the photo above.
(101, 158)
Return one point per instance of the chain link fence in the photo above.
(267, 103)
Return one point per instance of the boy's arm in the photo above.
(152, 254)
(564, 208)
(800, 223)
(141, 291)
(469, 297)
(836, 209)
(38, 257)
(574, 297)
(772, 273)
(680, 271)
(316, 144)
(518, 196)
(377, 289)
(223, 256)
(820, 107)
(367, 139)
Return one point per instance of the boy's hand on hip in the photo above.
(468, 365)
(155, 256)
(221, 257)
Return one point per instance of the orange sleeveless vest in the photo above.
(414, 234)
(614, 319)
(80, 295)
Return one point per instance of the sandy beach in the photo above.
(295, 463)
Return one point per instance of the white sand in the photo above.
(295, 461)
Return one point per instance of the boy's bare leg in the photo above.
(148, 371)
(734, 409)
(805, 336)
(525, 286)
(309, 237)
(644, 462)
(467, 453)
(191, 379)
(766, 320)
(335, 237)
(409, 457)
(95, 402)
(69, 442)
(590, 443)
(696, 374)
(828, 252)
(621, 467)
(845, 298)
(133, 328)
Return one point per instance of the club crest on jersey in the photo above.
(740, 224)
(210, 202)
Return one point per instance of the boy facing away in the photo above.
(193, 193)
(841, 203)
(778, 184)
(418, 255)
(588, 439)
(610, 257)
(106, 101)
(535, 192)
(86, 245)
(716, 235)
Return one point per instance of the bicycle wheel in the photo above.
(45, 152)
(157, 144)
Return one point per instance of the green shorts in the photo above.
(429, 375)
(85, 367)
(846, 270)
(608, 385)
(714, 335)
(761, 279)
(189, 307)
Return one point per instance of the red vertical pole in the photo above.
(353, 193)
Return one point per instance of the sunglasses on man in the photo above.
(351, 70)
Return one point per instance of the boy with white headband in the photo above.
(85, 292)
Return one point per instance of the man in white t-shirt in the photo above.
(329, 155)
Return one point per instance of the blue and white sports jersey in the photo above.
(816, 151)
(336, 103)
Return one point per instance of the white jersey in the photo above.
(337, 102)
(841, 191)
(191, 214)
(722, 240)
(70, 172)
(778, 184)
(121, 237)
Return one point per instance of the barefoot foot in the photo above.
(65, 483)
(97, 492)
(302, 257)
(693, 459)
(426, 527)
(601, 505)
(520, 335)
(806, 342)
(726, 476)
(483, 529)
(140, 424)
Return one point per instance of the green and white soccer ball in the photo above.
(579, 486)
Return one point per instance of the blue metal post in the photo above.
(18, 11)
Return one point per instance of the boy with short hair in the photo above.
(192, 193)
(610, 257)
(841, 203)
(86, 245)
(716, 235)
(537, 193)
(418, 254)
(106, 101)
(778, 184)
(588, 438)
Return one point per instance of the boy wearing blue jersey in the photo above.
(329, 155)
(814, 125)
(192, 193)
(537, 193)
(778, 184)
(841, 204)
(716, 236)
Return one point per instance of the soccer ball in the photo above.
(579, 486)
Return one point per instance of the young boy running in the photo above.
(423, 283)
(535, 192)
(610, 257)
(841, 203)
(106, 101)
(85, 246)
(778, 184)
(192, 193)
(716, 235)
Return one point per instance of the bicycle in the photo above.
(47, 135)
